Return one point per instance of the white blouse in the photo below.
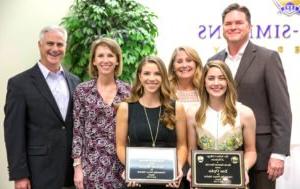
(191, 102)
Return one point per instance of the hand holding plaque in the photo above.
(151, 165)
(221, 169)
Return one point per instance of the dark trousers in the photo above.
(185, 183)
(259, 180)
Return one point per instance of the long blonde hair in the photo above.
(229, 113)
(191, 53)
(137, 90)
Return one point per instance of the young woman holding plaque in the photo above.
(222, 123)
(151, 118)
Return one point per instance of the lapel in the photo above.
(222, 56)
(42, 86)
(71, 86)
(245, 63)
(70, 82)
(219, 56)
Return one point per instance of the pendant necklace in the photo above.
(157, 126)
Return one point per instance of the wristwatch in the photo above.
(76, 162)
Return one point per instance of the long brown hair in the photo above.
(137, 90)
(229, 113)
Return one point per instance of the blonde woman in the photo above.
(96, 164)
(185, 69)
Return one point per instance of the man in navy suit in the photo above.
(261, 85)
(38, 118)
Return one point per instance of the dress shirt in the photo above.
(58, 86)
(233, 63)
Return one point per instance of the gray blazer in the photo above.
(38, 140)
(261, 85)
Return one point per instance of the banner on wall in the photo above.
(199, 24)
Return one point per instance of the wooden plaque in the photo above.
(218, 169)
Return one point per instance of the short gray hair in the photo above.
(60, 29)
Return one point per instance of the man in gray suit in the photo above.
(38, 121)
(261, 85)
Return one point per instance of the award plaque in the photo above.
(151, 165)
(218, 169)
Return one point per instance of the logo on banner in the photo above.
(288, 7)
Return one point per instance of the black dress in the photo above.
(139, 132)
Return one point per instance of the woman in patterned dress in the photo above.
(151, 118)
(184, 71)
(222, 123)
(96, 164)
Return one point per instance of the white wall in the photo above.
(20, 23)
(179, 22)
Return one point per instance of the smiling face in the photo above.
(215, 83)
(52, 49)
(184, 66)
(150, 78)
(236, 28)
(105, 60)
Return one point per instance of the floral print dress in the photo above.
(213, 135)
(94, 136)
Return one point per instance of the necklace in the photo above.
(157, 126)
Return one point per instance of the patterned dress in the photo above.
(213, 135)
(94, 136)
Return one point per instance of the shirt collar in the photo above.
(45, 71)
(240, 52)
